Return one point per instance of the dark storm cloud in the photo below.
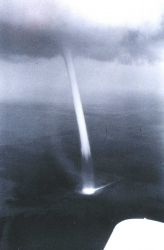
(120, 44)
(19, 41)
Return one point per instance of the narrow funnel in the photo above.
(87, 167)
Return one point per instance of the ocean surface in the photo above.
(40, 172)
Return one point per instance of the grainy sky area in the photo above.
(118, 48)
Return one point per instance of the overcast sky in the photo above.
(117, 47)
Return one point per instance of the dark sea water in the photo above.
(40, 172)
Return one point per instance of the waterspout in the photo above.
(87, 167)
